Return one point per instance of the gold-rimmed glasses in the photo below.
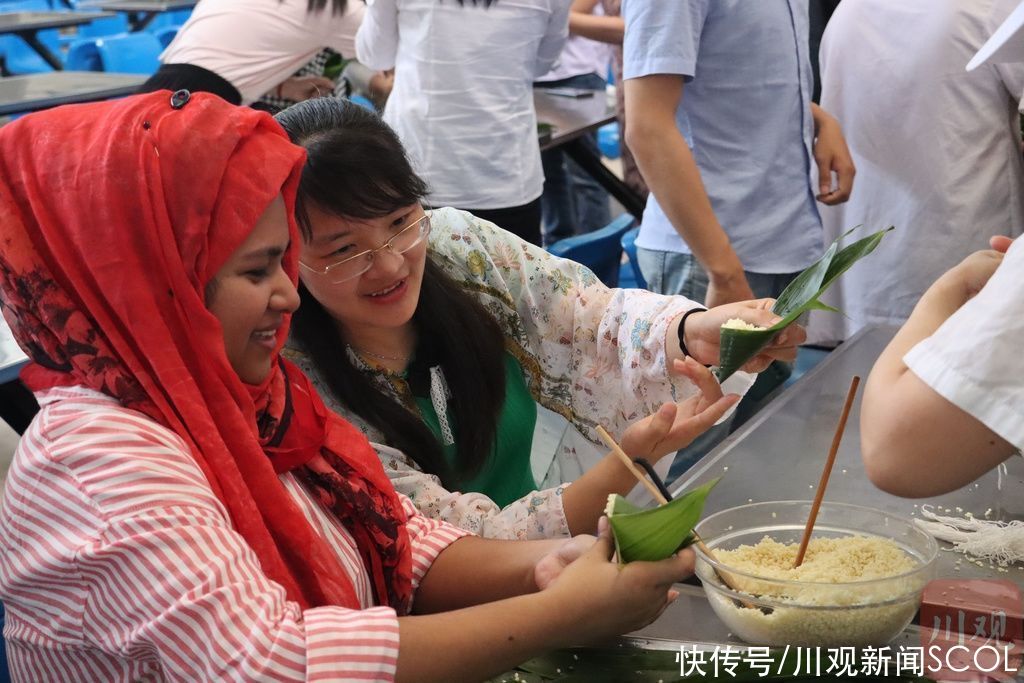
(352, 267)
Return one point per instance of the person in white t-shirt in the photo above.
(462, 101)
(242, 50)
(945, 401)
(938, 148)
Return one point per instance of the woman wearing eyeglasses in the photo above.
(468, 349)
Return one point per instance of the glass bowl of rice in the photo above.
(860, 583)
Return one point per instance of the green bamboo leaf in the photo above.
(656, 533)
(802, 294)
(819, 306)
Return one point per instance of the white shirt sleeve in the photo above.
(344, 28)
(377, 39)
(974, 361)
(554, 38)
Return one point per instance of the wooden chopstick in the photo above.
(662, 500)
(827, 472)
(630, 465)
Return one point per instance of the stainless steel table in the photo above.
(21, 94)
(26, 26)
(778, 455)
(573, 117)
(141, 13)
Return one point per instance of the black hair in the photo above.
(356, 167)
(337, 6)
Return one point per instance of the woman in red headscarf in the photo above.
(183, 507)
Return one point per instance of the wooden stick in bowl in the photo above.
(827, 472)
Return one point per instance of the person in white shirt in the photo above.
(242, 50)
(462, 101)
(938, 148)
(945, 401)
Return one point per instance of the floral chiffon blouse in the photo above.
(590, 355)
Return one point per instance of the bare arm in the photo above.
(914, 442)
(583, 22)
(666, 162)
(592, 598)
(473, 570)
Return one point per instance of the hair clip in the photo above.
(180, 98)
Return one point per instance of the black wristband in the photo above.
(682, 328)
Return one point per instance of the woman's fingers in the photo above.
(690, 427)
(701, 376)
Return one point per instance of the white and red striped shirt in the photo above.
(117, 563)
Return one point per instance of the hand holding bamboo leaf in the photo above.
(703, 335)
(803, 294)
(603, 597)
(656, 533)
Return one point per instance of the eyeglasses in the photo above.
(352, 267)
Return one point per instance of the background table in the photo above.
(21, 94)
(140, 12)
(26, 25)
(571, 118)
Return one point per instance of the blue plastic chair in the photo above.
(104, 28)
(83, 55)
(166, 20)
(130, 53)
(19, 58)
(633, 267)
(166, 35)
(601, 250)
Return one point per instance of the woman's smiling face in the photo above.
(252, 294)
(387, 293)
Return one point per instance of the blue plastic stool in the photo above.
(629, 246)
(5, 674)
(608, 140)
(363, 102)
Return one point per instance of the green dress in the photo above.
(506, 476)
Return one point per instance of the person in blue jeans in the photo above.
(573, 202)
(720, 119)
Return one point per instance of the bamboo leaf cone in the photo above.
(802, 294)
(654, 534)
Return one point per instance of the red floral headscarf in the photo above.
(113, 218)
